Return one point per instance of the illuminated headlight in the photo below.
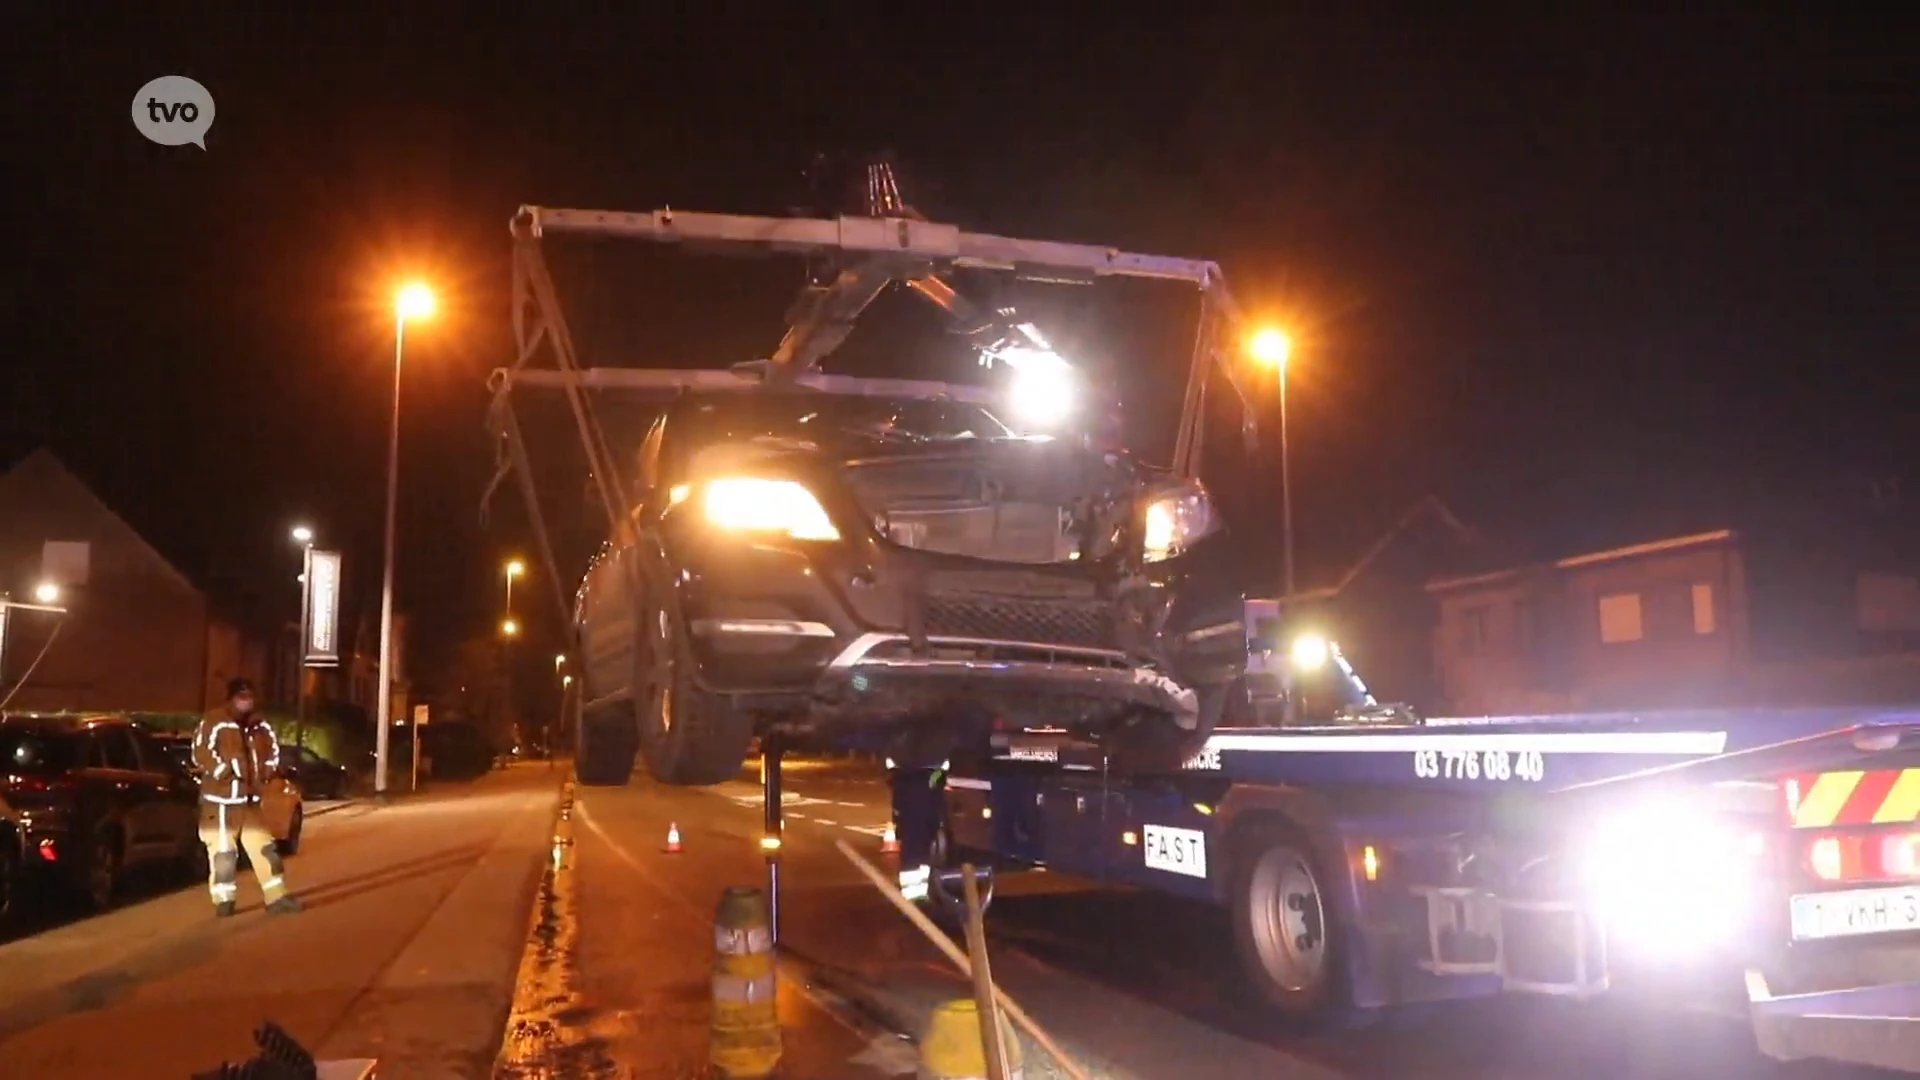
(1670, 877)
(1310, 652)
(1175, 522)
(1043, 395)
(743, 504)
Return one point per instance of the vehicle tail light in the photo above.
(1868, 855)
(49, 850)
(33, 784)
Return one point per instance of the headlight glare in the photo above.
(1175, 522)
(747, 504)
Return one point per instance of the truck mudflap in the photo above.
(1877, 1025)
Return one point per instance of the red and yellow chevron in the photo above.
(1857, 797)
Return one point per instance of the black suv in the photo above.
(83, 800)
(823, 557)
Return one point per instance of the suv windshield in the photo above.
(801, 414)
(26, 751)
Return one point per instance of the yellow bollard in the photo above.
(746, 1027)
(953, 1047)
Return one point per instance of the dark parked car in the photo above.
(317, 777)
(84, 800)
(836, 558)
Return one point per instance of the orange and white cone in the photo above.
(673, 838)
(889, 843)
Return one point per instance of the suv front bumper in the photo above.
(869, 632)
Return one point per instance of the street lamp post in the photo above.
(1272, 347)
(304, 537)
(413, 302)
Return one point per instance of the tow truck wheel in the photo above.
(608, 742)
(690, 737)
(1286, 928)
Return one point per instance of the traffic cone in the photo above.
(889, 843)
(673, 838)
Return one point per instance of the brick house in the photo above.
(138, 635)
(1803, 616)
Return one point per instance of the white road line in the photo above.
(855, 805)
(823, 821)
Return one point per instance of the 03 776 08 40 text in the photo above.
(1496, 765)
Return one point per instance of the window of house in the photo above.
(1703, 622)
(1888, 603)
(1620, 618)
(1473, 630)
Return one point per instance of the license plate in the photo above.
(1855, 912)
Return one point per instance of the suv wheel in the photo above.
(102, 881)
(691, 737)
(608, 741)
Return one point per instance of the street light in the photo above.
(559, 661)
(1270, 345)
(510, 628)
(46, 593)
(414, 301)
(303, 536)
(514, 569)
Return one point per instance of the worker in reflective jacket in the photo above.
(237, 754)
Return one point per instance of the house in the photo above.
(1661, 623)
(1800, 611)
(137, 634)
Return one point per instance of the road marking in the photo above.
(842, 802)
(823, 821)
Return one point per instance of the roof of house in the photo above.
(41, 471)
(1592, 558)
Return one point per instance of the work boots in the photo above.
(223, 909)
(286, 905)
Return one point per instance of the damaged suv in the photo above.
(882, 562)
(826, 561)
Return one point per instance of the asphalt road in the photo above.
(1133, 984)
(416, 921)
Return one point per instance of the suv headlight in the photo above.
(746, 504)
(1175, 521)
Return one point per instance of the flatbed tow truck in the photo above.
(1371, 863)
(1380, 858)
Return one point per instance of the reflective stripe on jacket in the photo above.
(236, 757)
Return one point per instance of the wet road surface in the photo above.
(1134, 984)
(417, 917)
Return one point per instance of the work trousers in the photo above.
(225, 829)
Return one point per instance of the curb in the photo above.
(337, 804)
(858, 993)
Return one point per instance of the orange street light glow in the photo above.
(46, 593)
(510, 628)
(414, 301)
(516, 568)
(1270, 346)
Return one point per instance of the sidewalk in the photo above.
(415, 917)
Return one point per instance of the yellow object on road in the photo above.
(745, 1040)
(954, 1047)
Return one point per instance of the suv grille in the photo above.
(1087, 624)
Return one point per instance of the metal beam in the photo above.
(667, 382)
(1041, 260)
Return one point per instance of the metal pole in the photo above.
(382, 722)
(300, 650)
(416, 747)
(1292, 710)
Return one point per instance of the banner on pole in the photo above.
(419, 715)
(323, 609)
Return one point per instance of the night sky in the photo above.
(1569, 274)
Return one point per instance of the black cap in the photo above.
(236, 687)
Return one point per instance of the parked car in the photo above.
(282, 805)
(316, 777)
(84, 801)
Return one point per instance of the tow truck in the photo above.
(1374, 858)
